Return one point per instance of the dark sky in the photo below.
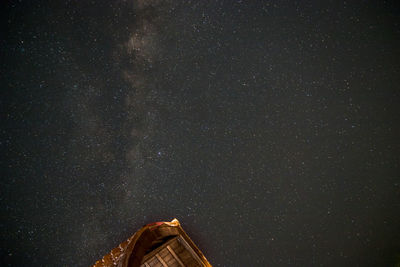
(268, 128)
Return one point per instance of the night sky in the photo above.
(270, 129)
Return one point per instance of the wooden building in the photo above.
(160, 244)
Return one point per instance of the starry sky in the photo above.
(268, 128)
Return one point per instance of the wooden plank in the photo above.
(153, 262)
(161, 260)
(168, 258)
(175, 256)
(189, 249)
